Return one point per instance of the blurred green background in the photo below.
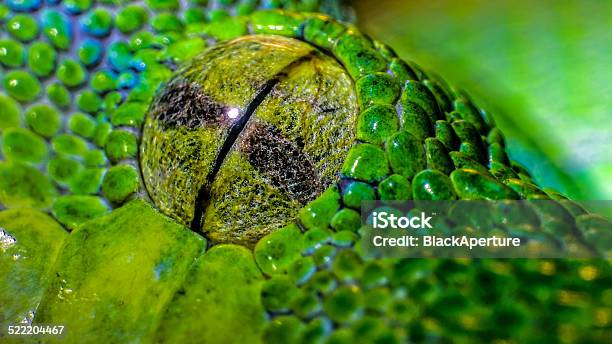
(543, 69)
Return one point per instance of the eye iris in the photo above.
(246, 134)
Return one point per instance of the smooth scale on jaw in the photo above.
(246, 134)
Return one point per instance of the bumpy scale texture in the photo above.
(79, 94)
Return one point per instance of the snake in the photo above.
(193, 171)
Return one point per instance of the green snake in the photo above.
(199, 179)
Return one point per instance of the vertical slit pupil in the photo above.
(203, 197)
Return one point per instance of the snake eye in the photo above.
(246, 134)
